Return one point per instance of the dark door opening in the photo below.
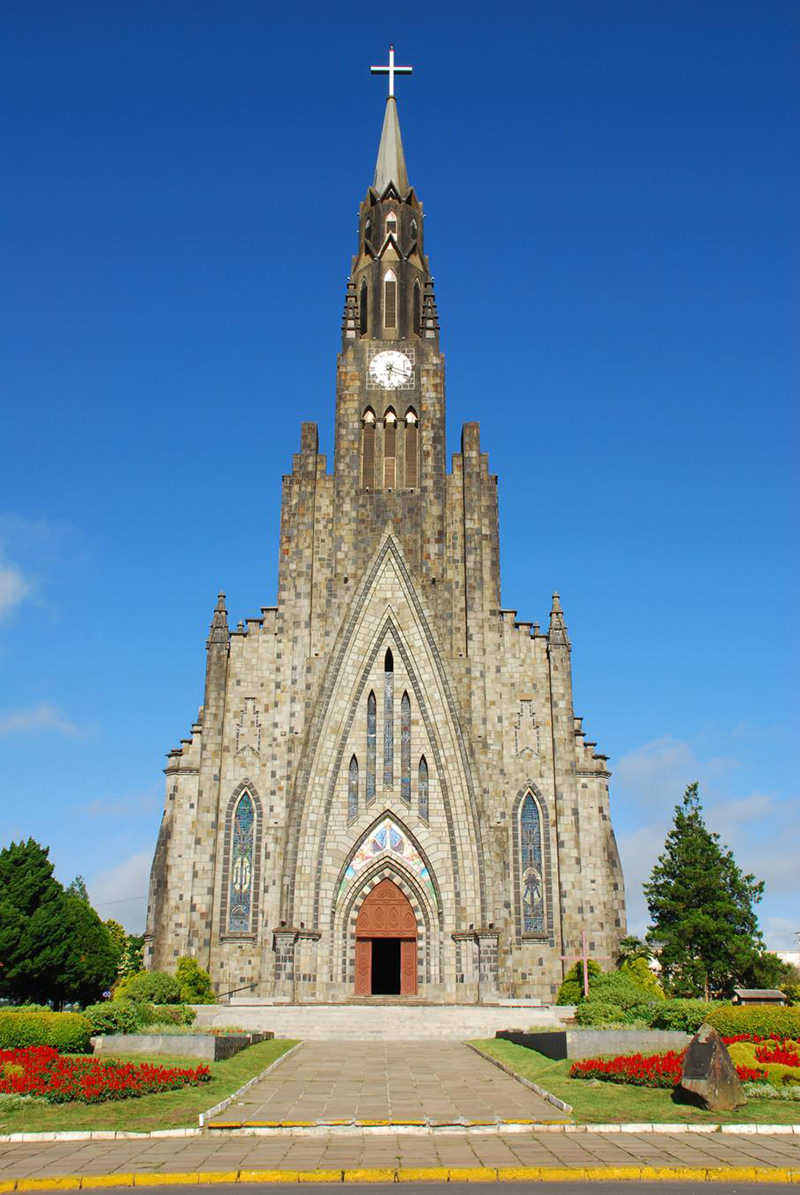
(385, 966)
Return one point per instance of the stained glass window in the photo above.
(372, 744)
(352, 790)
(530, 833)
(241, 891)
(405, 749)
(388, 720)
(422, 788)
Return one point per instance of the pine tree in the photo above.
(701, 907)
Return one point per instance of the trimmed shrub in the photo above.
(684, 1016)
(155, 987)
(638, 970)
(195, 983)
(571, 990)
(595, 1013)
(761, 1022)
(172, 1014)
(113, 1016)
(68, 1032)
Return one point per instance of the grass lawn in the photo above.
(169, 1110)
(612, 1103)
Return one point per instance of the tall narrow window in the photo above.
(391, 225)
(530, 837)
(372, 745)
(241, 890)
(405, 749)
(388, 720)
(422, 788)
(413, 230)
(411, 450)
(390, 300)
(389, 450)
(368, 231)
(368, 450)
(416, 321)
(352, 790)
(363, 296)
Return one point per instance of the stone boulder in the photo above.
(709, 1077)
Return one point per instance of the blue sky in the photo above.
(610, 191)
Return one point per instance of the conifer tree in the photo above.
(701, 906)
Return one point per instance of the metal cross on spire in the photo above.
(391, 70)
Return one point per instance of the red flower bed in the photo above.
(41, 1071)
(644, 1070)
(784, 1052)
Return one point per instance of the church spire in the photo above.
(390, 167)
(558, 628)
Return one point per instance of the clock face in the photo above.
(391, 370)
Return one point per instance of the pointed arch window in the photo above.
(413, 230)
(368, 449)
(389, 450)
(368, 231)
(240, 896)
(390, 300)
(391, 225)
(352, 790)
(532, 884)
(416, 317)
(372, 743)
(405, 749)
(422, 788)
(388, 719)
(412, 451)
(363, 296)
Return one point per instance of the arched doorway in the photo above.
(386, 944)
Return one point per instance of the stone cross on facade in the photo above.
(584, 958)
(391, 70)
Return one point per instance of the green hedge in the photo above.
(156, 987)
(113, 1016)
(684, 1016)
(68, 1032)
(729, 1021)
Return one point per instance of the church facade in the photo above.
(387, 791)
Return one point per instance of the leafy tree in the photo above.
(701, 906)
(53, 946)
(118, 937)
(195, 982)
(77, 887)
(768, 971)
(631, 948)
(638, 970)
(132, 959)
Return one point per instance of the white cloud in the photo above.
(42, 717)
(781, 933)
(121, 891)
(14, 588)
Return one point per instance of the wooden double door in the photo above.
(386, 944)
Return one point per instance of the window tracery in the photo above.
(241, 884)
(388, 719)
(422, 788)
(532, 886)
(352, 790)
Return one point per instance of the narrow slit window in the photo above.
(405, 749)
(352, 790)
(390, 300)
(416, 317)
(368, 450)
(388, 720)
(372, 743)
(363, 296)
(389, 450)
(422, 788)
(412, 454)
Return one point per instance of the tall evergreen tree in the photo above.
(701, 907)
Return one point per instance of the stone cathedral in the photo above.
(386, 791)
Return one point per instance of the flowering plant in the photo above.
(41, 1071)
(645, 1070)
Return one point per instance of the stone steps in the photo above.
(381, 1022)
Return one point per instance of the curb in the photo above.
(444, 1174)
(223, 1104)
(534, 1087)
(297, 1129)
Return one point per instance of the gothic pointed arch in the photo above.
(385, 601)
(241, 863)
(532, 855)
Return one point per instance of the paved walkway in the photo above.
(386, 1081)
(350, 1151)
